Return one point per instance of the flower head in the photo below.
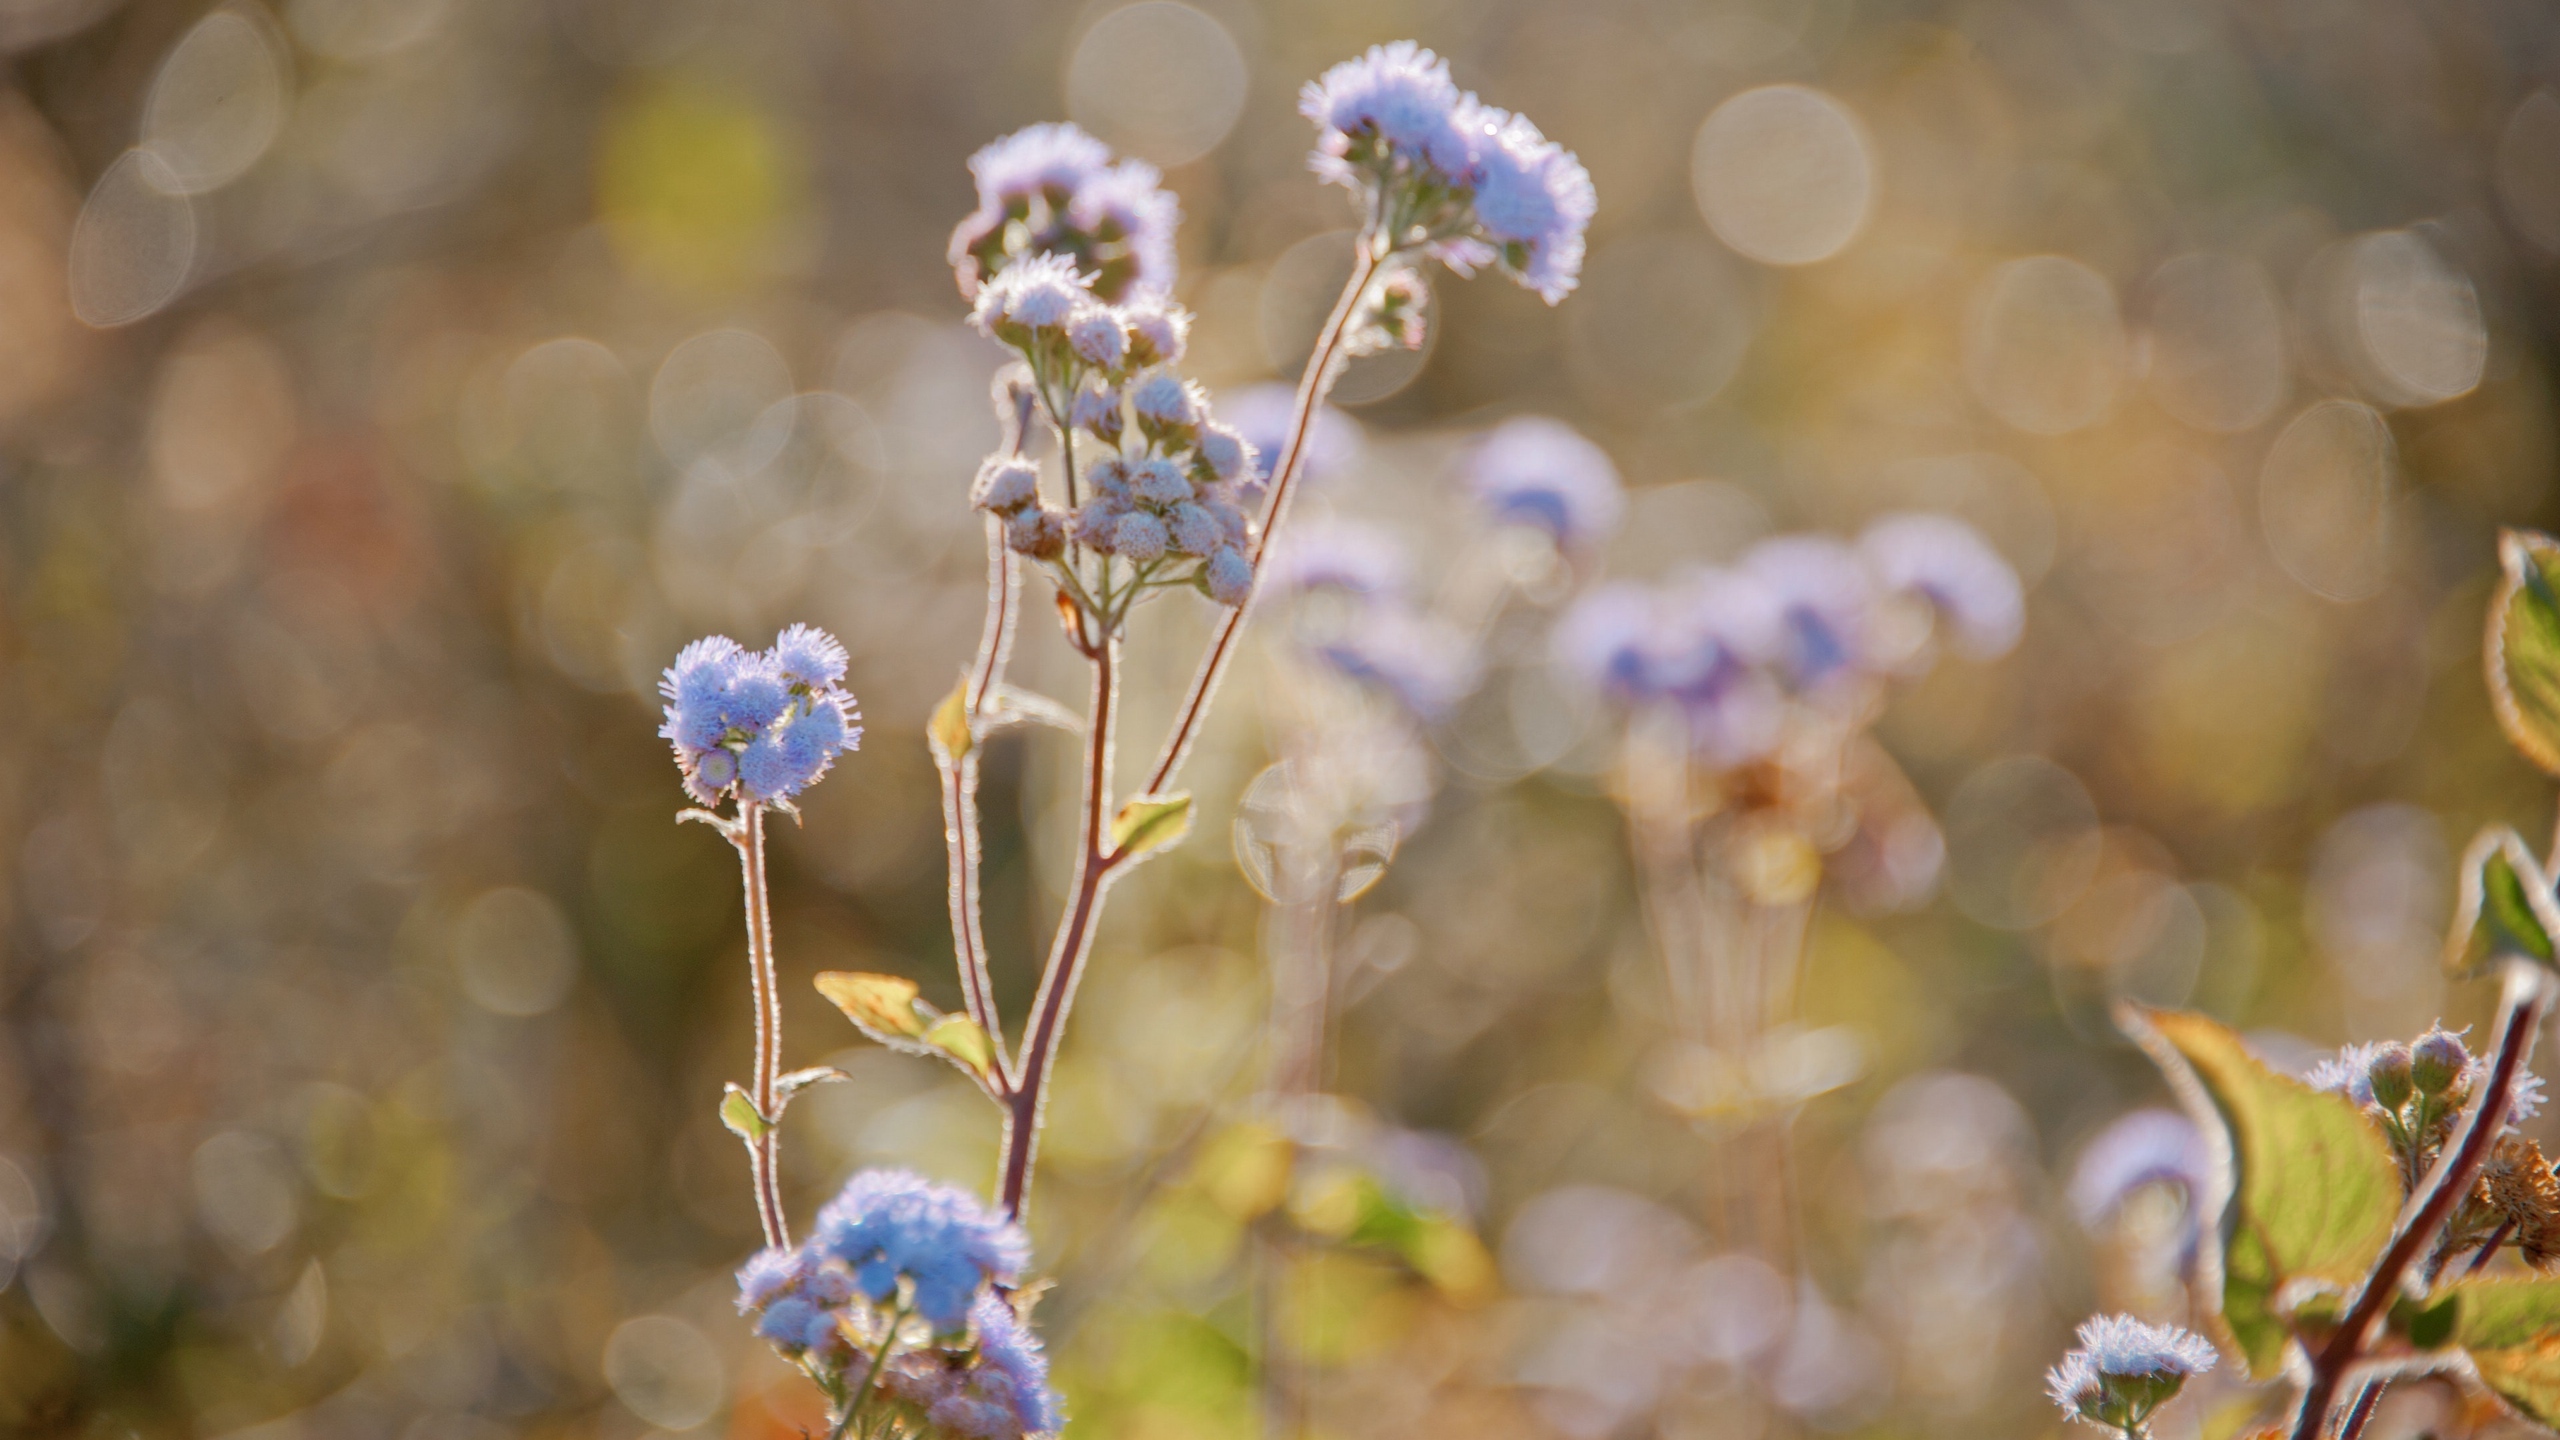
(1098, 336)
(2146, 1147)
(1394, 108)
(1005, 484)
(1426, 663)
(1947, 564)
(1055, 190)
(1542, 473)
(889, 1227)
(996, 1388)
(1227, 575)
(1031, 297)
(1159, 330)
(1532, 198)
(2123, 1370)
(1821, 593)
(764, 726)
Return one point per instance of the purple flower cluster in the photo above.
(760, 726)
(1542, 473)
(1467, 182)
(1055, 190)
(1168, 489)
(1799, 618)
(889, 1228)
(996, 1390)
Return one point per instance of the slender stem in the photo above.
(2521, 1012)
(2489, 1247)
(765, 1151)
(879, 1358)
(2368, 1400)
(960, 796)
(1323, 368)
(1074, 941)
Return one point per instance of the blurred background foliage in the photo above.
(388, 389)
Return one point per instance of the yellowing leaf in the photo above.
(2310, 1188)
(1150, 822)
(2512, 1329)
(2506, 907)
(885, 1006)
(738, 1111)
(948, 731)
(2523, 649)
(964, 1041)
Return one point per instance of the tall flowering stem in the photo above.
(1324, 367)
(2523, 1008)
(766, 1149)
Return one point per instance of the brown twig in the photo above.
(765, 1151)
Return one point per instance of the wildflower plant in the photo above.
(2354, 1219)
(905, 1303)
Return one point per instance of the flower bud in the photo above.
(2390, 1076)
(1005, 485)
(2437, 1061)
(1037, 532)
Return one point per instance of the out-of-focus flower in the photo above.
(1690, 647)
(1323, 552)
(2124, 1370)
(889, 1226)
(1261, 414)
(1055, 190)
(1543, 473)
(1423, 661)
(1945, 562)
(766, 725)
(1820, 594)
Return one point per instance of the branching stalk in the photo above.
(2521, 1012)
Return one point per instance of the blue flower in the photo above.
(1139, 536)
(807, 655)
(763, 726)
(1542, 473)
(1533, 199)
(1005, 484)
(892, 1225)
(1014, 1372)
(1693, 647)
(1944, 562)
(1227, 575)
(2146, 1147)
(994, 1388)
(1426, 663)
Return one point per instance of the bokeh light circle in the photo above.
(665, 1371)
(2418, 319)
(2044, 348)
(1661, 323)
(1783, 174)
(2022, 842)
(218, 102)
(2218, 358)
(2325, 496)
(134, 244)
(1160, 80)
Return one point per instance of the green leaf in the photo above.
(738, 1111)
(2310, 1192)
(2506, 908)
(1150, 822)
(948, 730)
(2512, 1329)
(885, 1006)
(2523, 649)
(786, 1086)
(962, 1039)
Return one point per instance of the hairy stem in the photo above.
(1074, 941)
(1324, 366)
(960, 796)
(2521, 1011)
(2368, 1400)
(765, 1151)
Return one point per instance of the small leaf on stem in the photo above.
(885, 1006)
(948, 731)
(1150, 822)
(2523, 649)
(738, 1111)
(2506, 908)
(786, 1086)
(2311, 1186)
(966, 1043)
